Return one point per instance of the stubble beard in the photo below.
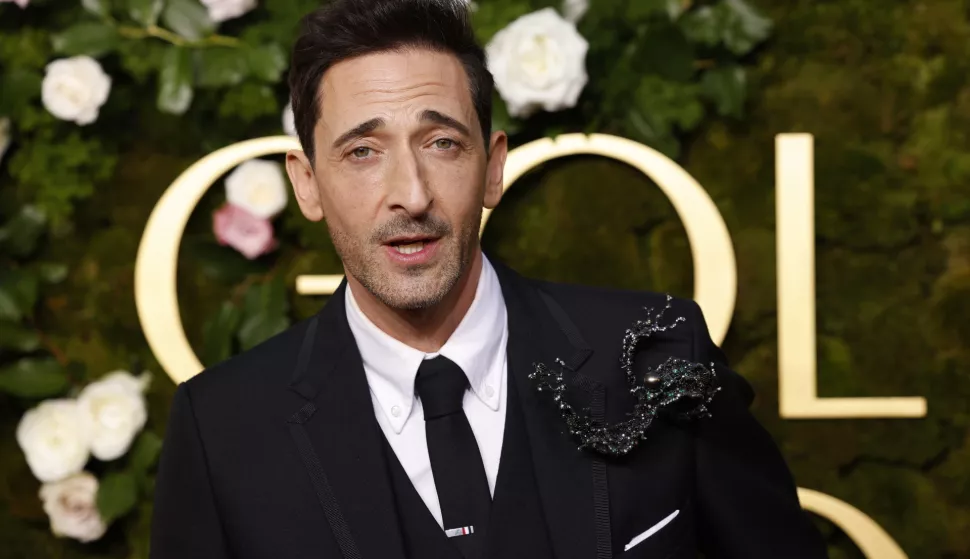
(419, 287)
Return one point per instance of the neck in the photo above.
(424, 329)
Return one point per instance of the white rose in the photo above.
(54, 439)
(115, 411)
(258, 187)
(538, 60)
(574, 10)
(4, 136)
(75, 88)
(289, 120)
(221, 10)
(72, 507)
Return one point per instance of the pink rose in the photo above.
(243, 231)
(21, 3)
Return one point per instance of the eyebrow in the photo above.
(361, 129)
(369, 126)
(445, 120)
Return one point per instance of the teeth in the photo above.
(410, 248)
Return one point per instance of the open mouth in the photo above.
(412, 250)
(410, 247)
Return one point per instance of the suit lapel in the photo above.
(342, 444)
(564, 475)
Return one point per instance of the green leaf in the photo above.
(145, 12)
(117, 495)
(20, 88)
(665, 51)
(219, 67)
(219, 332)
(19, 236)
(188, 18)
(260, 328)
(34, 378)
(18, 337)
(219, 262)
(18, 294)
(89, 38)
(644, 9)
(175, 81)
(742, 26)
(51, 272)
(96, 7)
(264, 311)
(702, 26)
(267, 62)
(248, 102)
(726, 88)
(266, 298)
(144, 452)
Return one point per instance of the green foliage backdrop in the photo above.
(880, 84)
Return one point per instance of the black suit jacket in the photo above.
(276, 453)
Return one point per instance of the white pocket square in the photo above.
(656, 528)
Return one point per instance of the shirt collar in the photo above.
(477, 346)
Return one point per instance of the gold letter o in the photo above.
(715, 270)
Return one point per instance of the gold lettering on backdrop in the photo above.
(795, 217)
(715, 272)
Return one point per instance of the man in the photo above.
(405, 419)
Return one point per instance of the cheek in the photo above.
(350, 203)
(459, 188)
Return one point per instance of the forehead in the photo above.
(393, 85)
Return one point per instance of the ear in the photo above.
(304, 184)
(495, 168)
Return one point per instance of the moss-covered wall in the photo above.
(880, 84)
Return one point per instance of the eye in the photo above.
(361, 152)
(445, 143)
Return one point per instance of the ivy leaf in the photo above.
(144, 452)
(726, 88)
(145, 12)
(188, 18)
(219, 67)
(742, 27)
(267, 62)
(18, 337)
(175, 81)
(117, 495)
(19, 236)
(91, 38)
(34, 378)
(96, 7)
(218, 333)
(18, 294)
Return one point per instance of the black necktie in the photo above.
(459, 475)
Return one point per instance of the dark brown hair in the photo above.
(349, 28)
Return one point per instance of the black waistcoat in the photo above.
(517, 527)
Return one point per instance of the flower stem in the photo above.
(154, 31)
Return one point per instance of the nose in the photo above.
(407, 184)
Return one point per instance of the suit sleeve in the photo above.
(747, 501)
(185, 522)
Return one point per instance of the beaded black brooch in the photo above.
(678, 387)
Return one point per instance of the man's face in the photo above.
(400, 173)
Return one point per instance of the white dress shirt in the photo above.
(477, 346)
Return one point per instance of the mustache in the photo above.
(402, 225)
